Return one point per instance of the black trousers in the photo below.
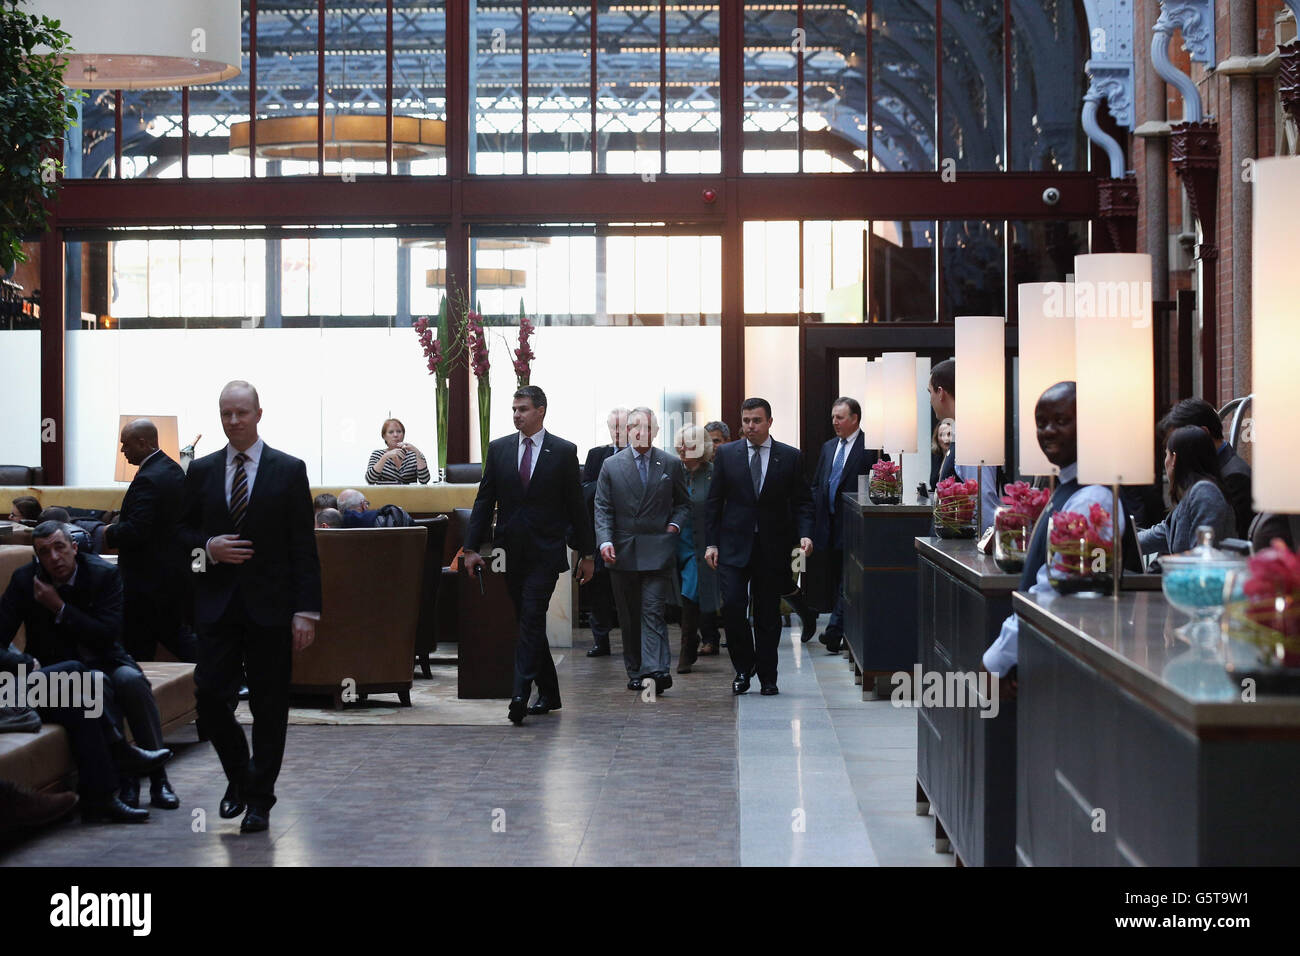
(756, 648)
(698, 624)
(90, 737)
(136, 702)
(531, 587)
(231, 648)
(152, 619)
(603, 615)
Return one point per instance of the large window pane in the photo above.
(835, 88)
(902, 272)
(771, 267)
(903, 85)
(974, 276)
(694, 117)
(771, 91)
(973, 70)
(559, 84)
(628, 94)
(1045, 129)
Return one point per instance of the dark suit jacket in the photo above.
(783, 511)
(283, 575)
(91, 629)
(531, 525)
(828, 533)
(1235, 474)
(590, 473)
(150, 559)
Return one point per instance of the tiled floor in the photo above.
(812, 776)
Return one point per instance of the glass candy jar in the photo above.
(1194, 582)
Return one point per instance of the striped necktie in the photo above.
(239, 491)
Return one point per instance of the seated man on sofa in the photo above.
(71, 604)
(24, 508)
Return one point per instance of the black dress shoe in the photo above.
(231, 805)
(663, 680)
(162, 796)
(255, 821)
(598, 650)
(112, 810)
(832, 641)
(129, 792)
(543, 706)
(809, 628)
(134, 762)
(769, 690)
(740, 684)
(634, 683)
(518, 708)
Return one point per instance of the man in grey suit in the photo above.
(641, 505)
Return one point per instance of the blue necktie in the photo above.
(641, 466)
(836, 469)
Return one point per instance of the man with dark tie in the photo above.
(70, 605)
(1056, 422)
(154, 569)
(599, 595)
(257, 596)
(532, 482)
(1233, 470)
(760, 518)
(843, 460)
(641, 506)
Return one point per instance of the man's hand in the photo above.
(474, 562)
(586, 569)
(673, 529)
(46, 596)
(607, 554)
(711, 557)
(230, 549)
(805, 545)
(304, 632)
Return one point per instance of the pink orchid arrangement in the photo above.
(954, 506)
(524, 354)
(431, 346)
(886, 470)
(478, 347)
(1075, 538)
(1022, 500)
(1273, 571)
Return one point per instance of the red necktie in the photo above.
(526, 463)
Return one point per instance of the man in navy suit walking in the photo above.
(843, 460)
(760, 519)
(532, 482)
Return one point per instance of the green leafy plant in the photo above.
(35, 113)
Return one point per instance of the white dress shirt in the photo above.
(147, 457)
(1002, 653)
(537, 450)
(254, 453)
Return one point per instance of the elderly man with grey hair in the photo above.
(355, 510)
(718, 433)
(641, 506)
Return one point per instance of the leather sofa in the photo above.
(370, 582)
(43, 760)
(24, 475)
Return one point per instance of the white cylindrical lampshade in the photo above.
(873, 406)
(900, 401)
(981, 383)
(1114, 368)
(134, 44)
(1046, 357)
(1275, 466)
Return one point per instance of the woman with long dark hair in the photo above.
(1192, 467)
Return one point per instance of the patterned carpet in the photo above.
(433, 703)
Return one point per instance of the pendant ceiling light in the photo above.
(346, 137)
(134, 44)
(483, 279)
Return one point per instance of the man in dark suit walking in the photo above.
(760, 518)
(152, 565)
(531, 480)
(601, 595)
(248, 508)
(843, 459)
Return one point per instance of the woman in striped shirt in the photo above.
(399, 463)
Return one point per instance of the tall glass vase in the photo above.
(484, 417)
(442, 396)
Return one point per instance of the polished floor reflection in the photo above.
(814, 776)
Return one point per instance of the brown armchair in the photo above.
(371, 580)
